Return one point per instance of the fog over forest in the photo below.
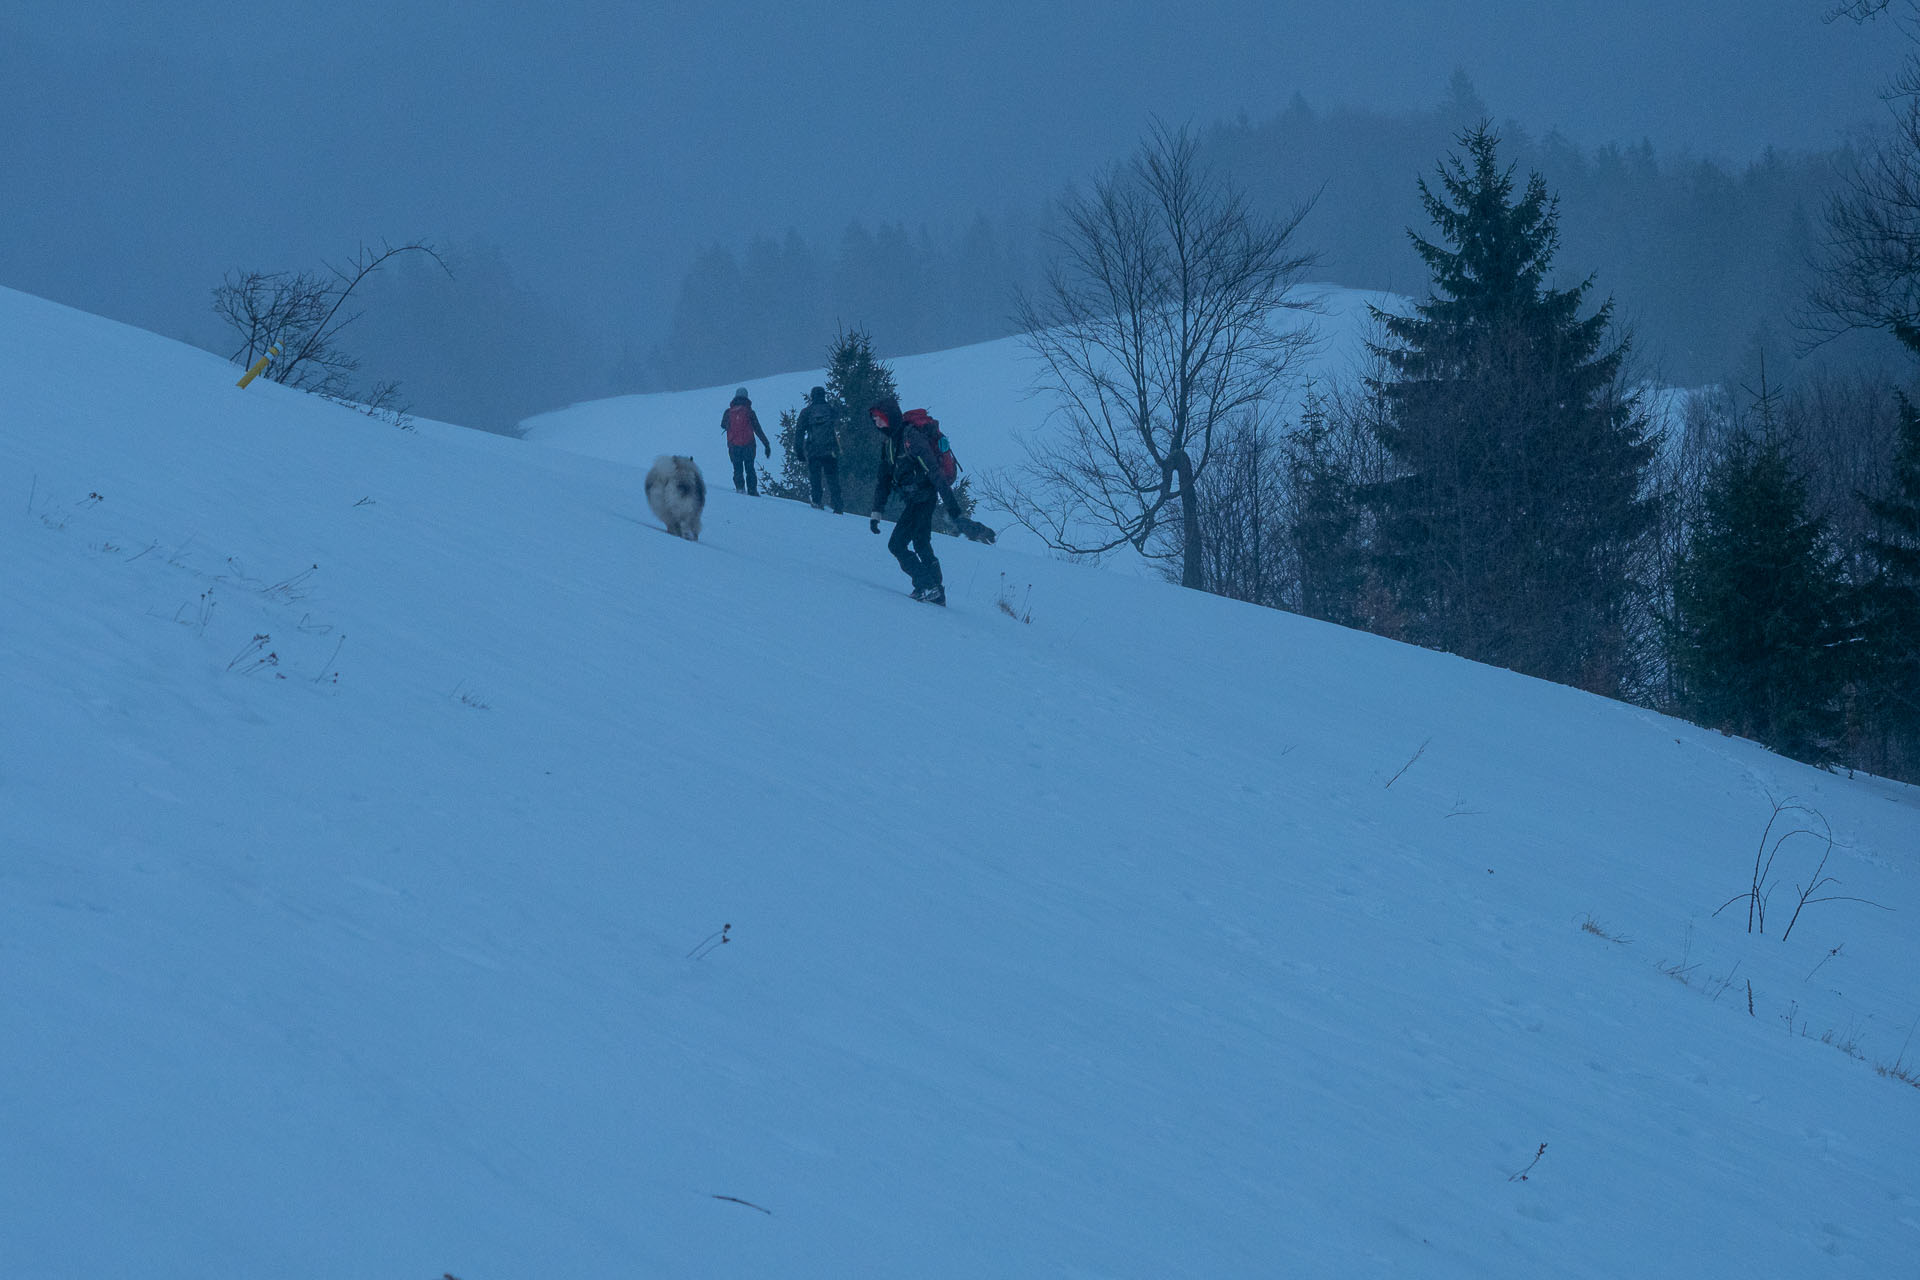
(633, 201)
(1707, 260)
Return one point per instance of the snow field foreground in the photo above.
(1159, 936)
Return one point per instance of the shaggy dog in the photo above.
(677, 495)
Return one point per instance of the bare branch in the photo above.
(1869, 259)
(1814, 885)
(303, 314)
(1858, 10)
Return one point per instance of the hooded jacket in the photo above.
(909, 464)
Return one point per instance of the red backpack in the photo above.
(739, 425)
(929, 426)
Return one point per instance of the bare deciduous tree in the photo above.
(303, 314)
(1166, 318)
(1869, 272)
(1282, 524)
(1244, 518)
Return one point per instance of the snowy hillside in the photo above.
(376, 802)
(982, 394)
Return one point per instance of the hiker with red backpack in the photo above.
(742, 424)
(917, 462)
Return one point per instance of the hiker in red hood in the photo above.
(742, 424)
(910, 467)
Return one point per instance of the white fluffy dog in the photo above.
(677, 495)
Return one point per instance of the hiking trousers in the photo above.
(744, 479)
(912, 544)
(830, 468)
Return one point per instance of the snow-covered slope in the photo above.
(983, 395)
(368, 797)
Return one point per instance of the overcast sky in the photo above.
(145, 148)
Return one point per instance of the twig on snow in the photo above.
(750, 1204)
(1521, 1176)
(1408, 765)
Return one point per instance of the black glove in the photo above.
(768, 448)
(874, 524)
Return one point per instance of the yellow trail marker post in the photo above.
(258, 367)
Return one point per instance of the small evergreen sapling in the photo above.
(1756, 633)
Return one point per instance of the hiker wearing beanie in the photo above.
(742, 425)
(910, 467)
(817, 441)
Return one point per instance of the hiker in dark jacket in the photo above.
(742, 424)
(818, 444)
(909, 467)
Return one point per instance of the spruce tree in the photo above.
(792, 482)
(1890, 606)
(857, 379)
(1516, 494)
(1758, 620)
(1326, 522)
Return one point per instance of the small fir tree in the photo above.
(792, 481)
(1890, 607)
(1517, 488)
(1326, 525)
(856, 380)
(1756, 637)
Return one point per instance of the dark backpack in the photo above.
(817, 430)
